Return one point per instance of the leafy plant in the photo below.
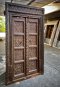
(2, 24)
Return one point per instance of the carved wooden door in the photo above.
(24, 39)
(32, 45)
(17, 66)
(18, 38)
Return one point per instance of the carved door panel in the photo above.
(16, 67)
(18, 46)
(32, 51)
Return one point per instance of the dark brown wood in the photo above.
(32, 29)
(24, 42)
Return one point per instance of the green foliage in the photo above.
(2, 24)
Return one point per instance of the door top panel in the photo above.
(13, 7)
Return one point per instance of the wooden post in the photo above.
(45, 30)
(53, 33)
(56, 36)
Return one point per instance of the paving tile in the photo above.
(51, 77)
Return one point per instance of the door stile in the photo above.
(27, 60)
(41, 46)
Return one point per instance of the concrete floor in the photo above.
(51, 77)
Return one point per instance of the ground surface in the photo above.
(51, 77)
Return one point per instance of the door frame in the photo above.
(29, 12)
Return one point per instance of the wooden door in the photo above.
(24, 60)
(24, 42)
(18, 39)
(32, 45)
(16, 67)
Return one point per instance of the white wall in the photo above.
(2, 44)
(52, 7)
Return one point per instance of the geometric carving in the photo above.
(32, 52)
(18, 54)
(18, 41)
(32, 65)
(33, 40)
(18, 27)
(18, 68)
(32, 27)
